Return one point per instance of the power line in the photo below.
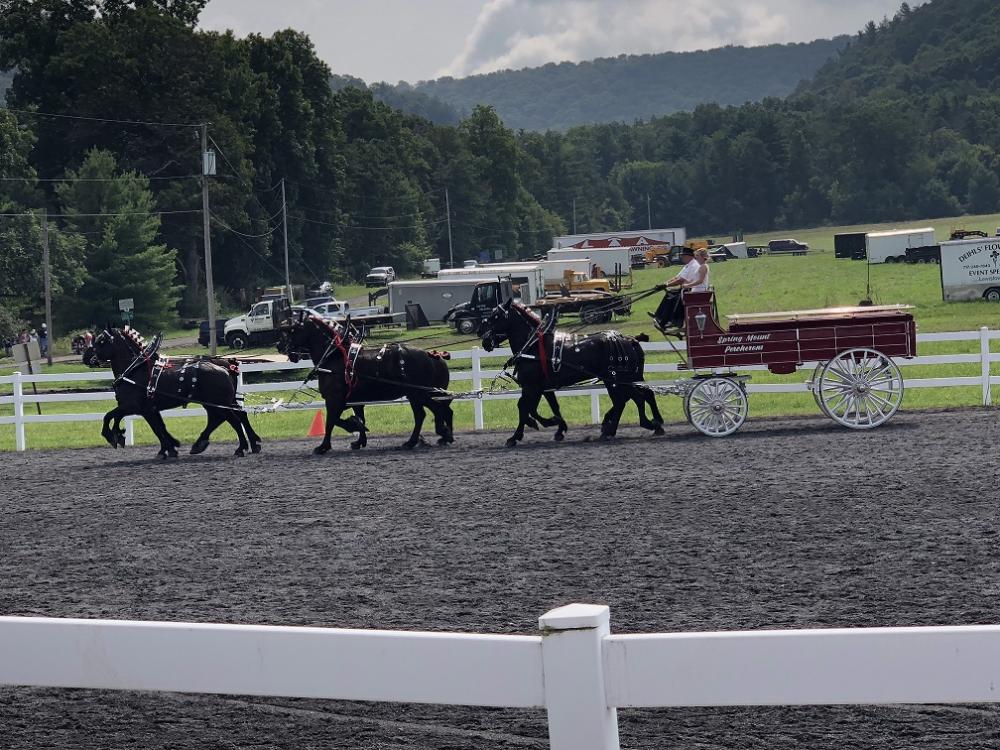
(388, 229)
(119, 213)
(92, 179)
(104, 119)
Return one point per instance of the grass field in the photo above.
(755, 285)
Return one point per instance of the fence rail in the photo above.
(476, 377)
(577, 670)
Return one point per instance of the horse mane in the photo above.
(527, 313)
(330, 326)
(134, 337)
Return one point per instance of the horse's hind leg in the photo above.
(418, 422)
(643, 396)
(215, 418)
(168, 443)
(619, 398)
(443, 417)
(527, 405)
(557, 420)
(236, 423)
(252, 436)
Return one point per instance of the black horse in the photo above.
(350, 372)
(146, 384)
(546, 360)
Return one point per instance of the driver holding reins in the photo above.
(669, 316)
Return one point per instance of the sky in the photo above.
(414, 40)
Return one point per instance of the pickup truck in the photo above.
(380, 276)
(260, 326)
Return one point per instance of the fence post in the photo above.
(573, 672)
(477, 384)
(19, 442)
(984, 353)
(595, 407)
(129, 431)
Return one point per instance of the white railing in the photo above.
(478, 377)
(576, 669)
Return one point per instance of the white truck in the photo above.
(259, 326)
(891, 247)
(970, 269)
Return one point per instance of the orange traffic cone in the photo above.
(318, 428)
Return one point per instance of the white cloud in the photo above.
(525, 33)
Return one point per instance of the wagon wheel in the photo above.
(860, 388)
(815, 386)
(716, 406)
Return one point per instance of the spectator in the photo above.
(88, 339)
(43, 340)
(23, 337)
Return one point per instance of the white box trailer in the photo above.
(606, 259)
(435, 296)
(891, 247)
(673, 236)
(970, 269)
(528, 278)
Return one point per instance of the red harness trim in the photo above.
(542, 354)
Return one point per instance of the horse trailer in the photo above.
(891, 247)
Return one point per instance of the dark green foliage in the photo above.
(633, 87)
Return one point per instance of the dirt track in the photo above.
(792, 523)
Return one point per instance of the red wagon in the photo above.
(856, 382)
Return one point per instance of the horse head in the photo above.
(496, 328)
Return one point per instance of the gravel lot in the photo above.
(790, 523)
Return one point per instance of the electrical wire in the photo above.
(92, 179)
(119, 213)
(105, 119)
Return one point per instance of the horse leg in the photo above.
(418, 422)
(168, 443)
(557, 420)
(237, 424)
(253, 437)
(527, 404)
(215, 418)
(443, 416)
(619, 398)
(642, 397)
(107, 432)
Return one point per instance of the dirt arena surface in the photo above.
(788, 524)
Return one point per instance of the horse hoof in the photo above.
(199, 447)
(659, 431)
(445, 441)
(559, 436)
(240, 452)
(256, 448)
(512, 443)
(607, 437)
(356, 445)
(319, 450)
(171, 454)
(409, 445)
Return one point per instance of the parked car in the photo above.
(333, 310)
(787, 246)
(380, 276)
(316, 301)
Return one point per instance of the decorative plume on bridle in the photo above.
(134, 336)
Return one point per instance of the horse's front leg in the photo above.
(527, 404)
(109, 433)
(619, 399)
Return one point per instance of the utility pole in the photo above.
(47, 271)
(207, 168)
(284, 221)
(649, 216)
(451, 250)
(574, 215)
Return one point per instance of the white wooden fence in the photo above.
(577, 670)
(476, 378)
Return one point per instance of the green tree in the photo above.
(116, 214)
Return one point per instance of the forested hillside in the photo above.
(633, 87)
(903, 125)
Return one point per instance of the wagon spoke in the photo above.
(860, 388)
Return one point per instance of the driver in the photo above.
(694, 277)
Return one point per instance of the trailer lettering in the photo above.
(994, 246)
(743, 348)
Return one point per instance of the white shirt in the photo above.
(690, 274)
